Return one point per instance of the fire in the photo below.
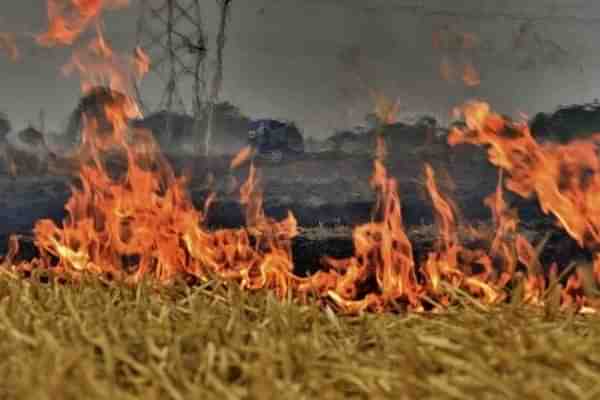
(130, 217)
(455, 47)
(69, 18)
(141, 224)
(137, 215)
(8, 44)
(506, 222)
(134, 220)
(565, 178)
(100, 66)
(385, 109)
(471, 75)
(141, 62)
(451, 261)
(241, 157)
(383, 259)
(446, 69)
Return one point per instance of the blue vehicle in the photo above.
(275, 140)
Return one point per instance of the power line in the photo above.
(171, 32)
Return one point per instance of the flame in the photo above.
(446, 69)
(67, 19)
(506, 222)
(450, 41)
(8, 44)
(383, 255)
(142, 224)
(565, 178)
(99, 66)
(241, 157)
(130, 217)
(453, 262)
(385, 109)
(444, 212)
(470, 75)
(141, 62)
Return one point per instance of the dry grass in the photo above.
(93, 341)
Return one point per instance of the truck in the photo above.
(274, 140)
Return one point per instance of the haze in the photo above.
(300, 60)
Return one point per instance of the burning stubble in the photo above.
(144, 216)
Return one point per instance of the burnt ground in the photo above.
(328, 194)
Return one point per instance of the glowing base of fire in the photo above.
(142, 225)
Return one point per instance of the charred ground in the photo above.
(327, 188)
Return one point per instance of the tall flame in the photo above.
(99, 65)
(565, 178)
(130, 217)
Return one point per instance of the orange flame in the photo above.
(8, 44)
(565, 178)
(385, 110)
(141, 62)
(383, 253)
(99, 66)
(143, 224)
(470, 75)
(449, 40)
(446, 69)
(69, 18)
(241, 157)
(130, 218)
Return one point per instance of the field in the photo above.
(91, 341)
(406, 273)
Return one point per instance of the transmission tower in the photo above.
(171, 32)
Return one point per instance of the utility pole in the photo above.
(217, 81)
(171, 32)
(42, 121)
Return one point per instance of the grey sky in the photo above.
(283, 58)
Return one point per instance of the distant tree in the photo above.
(92, 105)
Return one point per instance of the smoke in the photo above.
(286, 59)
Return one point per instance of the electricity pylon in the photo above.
(171, 32)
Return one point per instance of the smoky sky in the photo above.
(317, 61)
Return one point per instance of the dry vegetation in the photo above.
(89, 339)
(93, 341)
